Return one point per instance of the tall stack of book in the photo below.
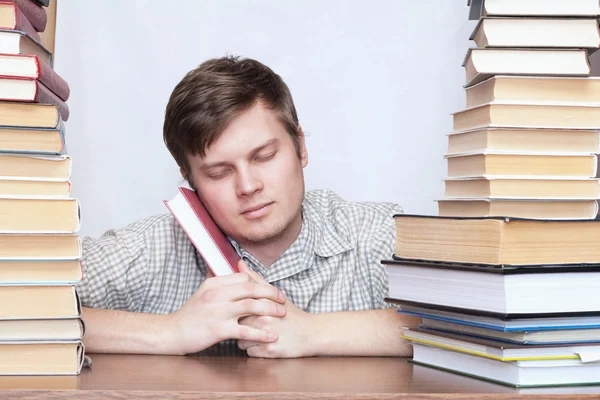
(40, 314)
(507, 276)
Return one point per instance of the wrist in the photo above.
(318, 339)
(167, 335)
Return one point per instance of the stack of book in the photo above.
(40, 313)
(507, 276)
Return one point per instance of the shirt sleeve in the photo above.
(115, 267)
(383, 245)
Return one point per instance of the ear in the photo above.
(187, 178)
(302, 147)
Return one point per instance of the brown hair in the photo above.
(214, 93)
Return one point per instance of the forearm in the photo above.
(362, 333)
(112, 331)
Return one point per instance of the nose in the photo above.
(248, 182)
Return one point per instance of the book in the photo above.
(41, 358)
(34, 189)
(29, 115)
(34, 13)
(497, 240)
(519, 374)
(39, 302)
(566, 209)
(482, 63)
(533, 8)
(12, 18)
(41, 330)
(524, 164)
(31, 90)
(500, 323)
(24, 66)
(44, 3)
(40, 272)
(39, 247)
(42, 141)
(560, 336)
(521, 140)
(499, 350)
(32, 167)
(534, 89)
(19, 42)
(537, 32)
(517, 292)
(531, 187)
(528, 115)
(39, 215)
(207, 237)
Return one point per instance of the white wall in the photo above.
(374, 84)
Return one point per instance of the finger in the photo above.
(243, 267)
(225, 280)
(245, 344)
(258, 307)
(246, 333)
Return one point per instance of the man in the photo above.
(311, 281)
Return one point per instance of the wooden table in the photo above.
(141, 377)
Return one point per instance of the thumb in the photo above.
(243, 267)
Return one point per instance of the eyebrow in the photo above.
(252, 154)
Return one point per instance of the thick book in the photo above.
(43, 247)
(31, 91)
(42, 141)
(41, 329)
(23, 66)
(212, 244)
(552, 209)
(35, 168)
(529, 187)
(12, 18)
(582, 165)
(39, 302)
(40, 272)
(537, 32)
(521, 292)
(39, 215)
(34, 13)
(19, 42)
(519, 140)
(41, 357)
(482, 63)
(497, 240)
(29, 115)
(34, 188)
(533, 8)
(535, 373)
(529, 115)
(534, 90)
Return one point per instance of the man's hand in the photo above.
(212, 313)
(294, 329)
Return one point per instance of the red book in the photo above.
(11, 17)
(207, 237)
(28, 66)
(34, 13)
(31, 91)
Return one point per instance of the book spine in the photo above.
(53, 81)
(46, 96)
(34, 13)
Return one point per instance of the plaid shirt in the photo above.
(150, 266)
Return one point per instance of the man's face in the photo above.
(251, 178)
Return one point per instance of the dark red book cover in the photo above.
(218, 237)
(20, 23)
(35, 14)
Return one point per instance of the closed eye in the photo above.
(265, 157)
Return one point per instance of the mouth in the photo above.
(256, 211)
